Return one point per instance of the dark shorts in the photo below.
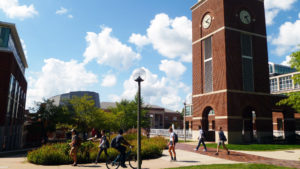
(172, 143)
(221, 142)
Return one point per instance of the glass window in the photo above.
(208, 69)
(211, 112)
(285, 83)
(188, 110)
(175, 118)
(4, 36)
(279, 124)
(273, 85)
(247, 62)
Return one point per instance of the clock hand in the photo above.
(247, 18)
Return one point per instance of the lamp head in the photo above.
(139, 75)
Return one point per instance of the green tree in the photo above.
(49, 116)
(293, 99)
(126, 114)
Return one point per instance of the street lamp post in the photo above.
(138, 78)
(184, 127)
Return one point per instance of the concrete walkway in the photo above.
(184, 158)
(293, 155)
(243, 157)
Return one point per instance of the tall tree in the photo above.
(293, 99)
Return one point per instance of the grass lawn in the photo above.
(235, 166)
(257, 147)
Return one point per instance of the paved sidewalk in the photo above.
(184, 158)
(293, 155)
(241, 157)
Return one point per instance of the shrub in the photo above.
(56, 154)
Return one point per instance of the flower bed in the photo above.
(56, 154)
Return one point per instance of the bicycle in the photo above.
(130, 160)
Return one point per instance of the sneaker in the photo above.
(228, 152)
(196, 149)
(75, 164)
(96, 162)
(217, 153)
(205, 150)
(171, 159)
(174, 158)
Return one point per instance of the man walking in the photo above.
(222, 140)
(201, 139)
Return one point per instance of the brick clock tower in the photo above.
(230, 70)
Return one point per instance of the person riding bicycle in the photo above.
(119, 141)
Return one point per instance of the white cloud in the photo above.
(299, 15)
(109, 80)
(139, 40)
(287, 60)
(61, 11)
(273, 7)
(58, 77)
(172, 68)
(108, 50)
(70, 16)
(24, 47)
(172, 38)
(160, 91)
(13, 9)
(288, 38)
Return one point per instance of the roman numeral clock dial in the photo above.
(206, 21)
(245, 17)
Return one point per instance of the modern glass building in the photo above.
(13, 87)
(277, 69)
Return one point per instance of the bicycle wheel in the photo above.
(110, 164)
(132, 161)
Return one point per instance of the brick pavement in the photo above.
(240, 157)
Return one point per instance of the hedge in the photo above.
(58, 153)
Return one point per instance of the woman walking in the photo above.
(222, 140)
(172, 144)
(103, 146)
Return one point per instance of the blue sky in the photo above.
(97, 45)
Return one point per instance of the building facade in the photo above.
(284, 83)
(13, 87)
(160, 118)
(230, 70)
(60, 99)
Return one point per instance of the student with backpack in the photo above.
(222, 140)
(117, 144)
(172, 142)
(75, 143)
(104, 145)
(201, 139)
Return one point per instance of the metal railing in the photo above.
(165, 132)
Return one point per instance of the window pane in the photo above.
(4, 36)
(248, 74)
(208, 79)
(207, 48)
(246, 45)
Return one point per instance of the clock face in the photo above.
(206, 21)
(245, 17)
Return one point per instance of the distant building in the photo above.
(284, 83)
(13, 87)
(60, 99)
(160, 118)
(277, 69)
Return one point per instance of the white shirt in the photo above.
(200, 134)
(171, 136)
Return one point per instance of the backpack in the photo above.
(175, 138)
(113, 142)
(106, 143)
(78, 141)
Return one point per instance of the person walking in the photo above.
(74, 146)
(201, 139)
(103, 146)
(119, 141)
(172, 144)
(222, 140)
